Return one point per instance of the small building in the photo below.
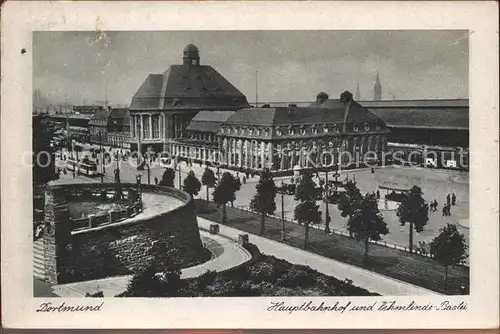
(98, 126)
(119, 128)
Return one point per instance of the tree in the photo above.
(366, 223)
(306, 189)
(263, 200)
(307, 213)
(413, 210)
(208, 179)
(225, 192)
(168, 177)
(350, 200)
(191, 184)
(448, 248)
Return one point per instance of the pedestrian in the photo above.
(373, 170)
(378, 194)
(444, 210)
(156, 180)
(448, 199)
(244, 179)
(453, 199)
(448, 211)
(435, 205)
(386, 204)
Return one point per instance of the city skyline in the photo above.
(291, 65)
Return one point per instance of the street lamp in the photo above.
(282, 193)
(327, 214)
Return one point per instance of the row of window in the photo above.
(297, 145)
(294, 130)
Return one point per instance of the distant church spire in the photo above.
(358, 95)
(377, 89)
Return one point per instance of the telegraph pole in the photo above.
(282, 193)
(327, 214)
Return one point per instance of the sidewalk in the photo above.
(387, 262)
(226, 254)
(365, 279)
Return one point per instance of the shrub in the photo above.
(297, 277)
(206, 279)
(145, 283)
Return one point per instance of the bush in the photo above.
(145, 283)
(206, 279)
(297, 277)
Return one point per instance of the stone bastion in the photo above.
(99, 230)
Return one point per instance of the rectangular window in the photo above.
(178, 126)
(145, 123)
(156, 126)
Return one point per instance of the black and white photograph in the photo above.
(298, 170)
(251, 163)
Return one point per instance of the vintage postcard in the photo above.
(250, 165)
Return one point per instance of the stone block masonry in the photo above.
(168, 239)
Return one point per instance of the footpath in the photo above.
(226, 254)
(365, 279)
(399, 265)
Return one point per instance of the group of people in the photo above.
(451, 200)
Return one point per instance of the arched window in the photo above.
(291, 131)
(367, 127)
(303, 130)
(314, 129)
(355, 128)
(278, 131)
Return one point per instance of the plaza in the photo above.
(435, 184)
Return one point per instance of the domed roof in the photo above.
(190, 48)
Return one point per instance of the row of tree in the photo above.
(364, 220)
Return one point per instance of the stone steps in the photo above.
(38, 259)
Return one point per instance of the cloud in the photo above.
(292, 65)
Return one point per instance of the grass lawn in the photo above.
(394, 263)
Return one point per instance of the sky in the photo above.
(78, 67)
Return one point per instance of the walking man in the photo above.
(453, 199)
(448, 199)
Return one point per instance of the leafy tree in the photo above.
(307, 213)
(191, 184)
(208, 179)
(448, 248)
(366, 223)
(168, 177)
(349, 201)
(305, 189)
(413, 210)
(263, 200)
(225, 192)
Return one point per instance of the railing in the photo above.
(112, 216)
(346, 234)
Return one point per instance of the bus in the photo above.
(88, 168)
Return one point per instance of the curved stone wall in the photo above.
(169, 238)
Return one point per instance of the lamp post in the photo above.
(139, 130)
(282, 193)
(327, 214)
